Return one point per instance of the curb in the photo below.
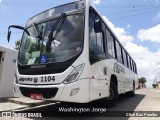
(30, 104)
(30, 108)
(26, 104)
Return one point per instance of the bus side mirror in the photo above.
(97, 26)
(8, 35)
(18, 27)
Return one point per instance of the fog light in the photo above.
(74, 91)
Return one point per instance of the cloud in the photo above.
(151, 34)
(120, 32)
(96, 1)
(156, 17)
(0, 1)
(128, 26)
(147, 61)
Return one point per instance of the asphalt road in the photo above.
(144, 100)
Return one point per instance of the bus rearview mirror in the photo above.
(8, 35)
(97, 26)
(18, 27)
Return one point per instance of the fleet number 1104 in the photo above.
(47, 78)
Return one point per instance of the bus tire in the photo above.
(113, 97)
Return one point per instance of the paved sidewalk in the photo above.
(151, 102)
(9, 104)
(145, 100)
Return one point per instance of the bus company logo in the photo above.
(25, 79)
(35, 80)
(118, 68)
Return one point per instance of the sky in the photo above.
(136, 23)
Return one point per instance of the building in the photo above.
(8, 59)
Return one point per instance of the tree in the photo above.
(143, 81)
(17, 44)
(154, 85)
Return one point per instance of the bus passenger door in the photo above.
(97, 58)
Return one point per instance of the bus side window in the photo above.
(124, 57)
(113, 49)
(93, 37)
(96, 43)
(128, 62)
(135, 68)
(119, 54)
(110, 44)
(100, 42)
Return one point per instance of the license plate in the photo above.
(36, 96)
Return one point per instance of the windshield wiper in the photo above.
(52, 37)
(39, 33)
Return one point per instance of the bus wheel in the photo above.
(113, 97)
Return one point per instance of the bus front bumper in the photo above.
(77, 92)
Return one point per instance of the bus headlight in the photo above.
(74, 74)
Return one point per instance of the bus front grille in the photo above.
(46, 92)
(40, 71)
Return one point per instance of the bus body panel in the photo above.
(92, 84)
(99, 84)
(64, 91)
(18, 93)
(44, 79)
(82, 96)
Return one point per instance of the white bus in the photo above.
(68, 53)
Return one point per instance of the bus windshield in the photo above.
(67, 43)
